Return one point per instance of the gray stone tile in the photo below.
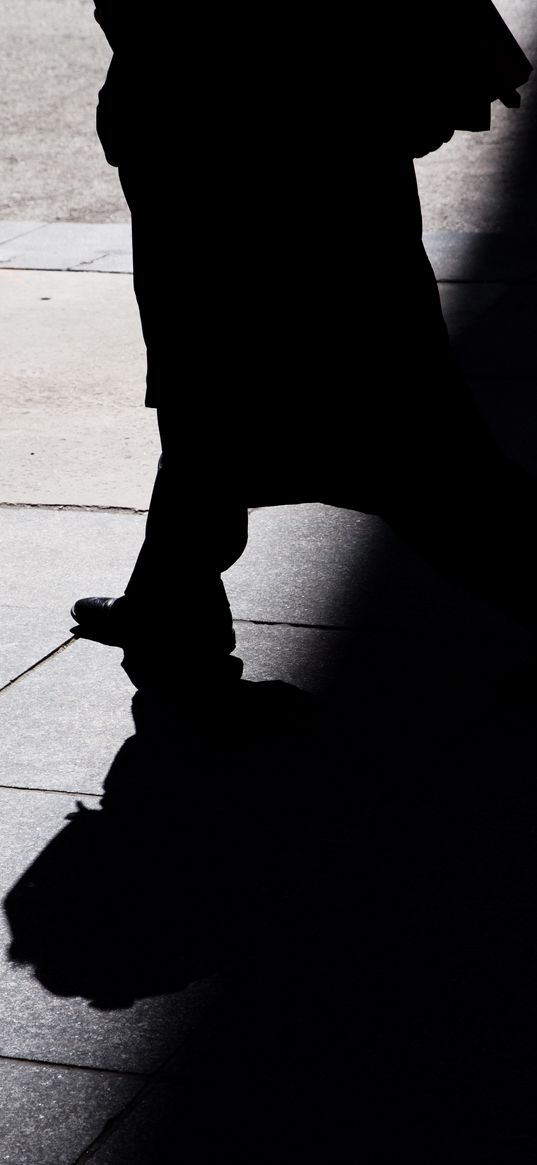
(28, 635)
(75, 710)
(301, 565)
(50, 558)
(400, 674)
(27, 822)
(479, 257)
(76, 713)
(49, 1115)
(63, 554)
(35, 1023)
(67, 246)
(239, 1118)
(11, 229)
(117, 260)
(322, 566)
(305, 658)
(305, 564)
(72, 382)
(157, 1129)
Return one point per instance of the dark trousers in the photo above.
(198, 519)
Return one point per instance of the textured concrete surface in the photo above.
(139, 1138)
(13, 229)
(29, 635)
(52, 166)
(66, 246)
(320, 566)
(60, 705)
(60, 555)
(72, 384)
(50, 1114)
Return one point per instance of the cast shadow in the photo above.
(372, 905)
(201, 829)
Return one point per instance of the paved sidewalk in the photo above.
(183, 981)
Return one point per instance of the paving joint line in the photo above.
(527, 281)
(5, 266)
(60, 506)
(33, 667)
(287, 623)
(118, 1119)
(23, 234)
(53, 792)
(71, 1067)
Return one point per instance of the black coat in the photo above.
(294, 78)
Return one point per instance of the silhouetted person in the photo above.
(295, 343)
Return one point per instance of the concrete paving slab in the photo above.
(28, 822)
(52, 165)
(28, 636)
(52, 557)
(484, 181)
(50, 1115)
(303, 564)
(36, 1024)
(310, 565)
(10, 229)
(74, 428)
(64, 722)
(49, 559)
(419, 681)
(305, 658)
(321, 566)
(66, 246)
(159, 1128)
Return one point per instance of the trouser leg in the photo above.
(196, 529)
(197, 523)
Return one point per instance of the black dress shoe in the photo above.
(161, 655)
(101, 619)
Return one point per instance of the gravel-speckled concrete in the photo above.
(49, 1115)
(72, 381)
(66, 246)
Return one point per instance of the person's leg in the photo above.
(195, 530)
(197, 524)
